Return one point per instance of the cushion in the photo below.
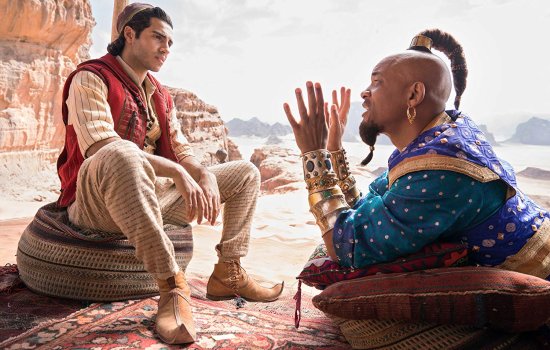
(476, 296)
(60, 260)
(400, 335)
(320, 271)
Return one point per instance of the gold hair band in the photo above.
(421, 41)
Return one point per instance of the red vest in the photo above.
(129, 115)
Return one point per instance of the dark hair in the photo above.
(138, 23)
(445, 43)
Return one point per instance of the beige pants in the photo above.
(118, 192)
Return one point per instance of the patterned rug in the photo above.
(32, 321)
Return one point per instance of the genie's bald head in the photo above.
(416, 83)
(416, 66)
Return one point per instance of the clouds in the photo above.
(220, 25)
(247, 56)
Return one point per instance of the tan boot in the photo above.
(229, 280)
(174, 318)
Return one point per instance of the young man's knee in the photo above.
(120, 154)
(251, 172)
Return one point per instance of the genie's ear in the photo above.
(416, 94)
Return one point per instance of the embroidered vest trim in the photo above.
(440, 162)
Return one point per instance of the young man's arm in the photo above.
(205, 179)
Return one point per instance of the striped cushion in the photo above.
(477, 296)
(320, 271)
(57, 259)
(402, 335)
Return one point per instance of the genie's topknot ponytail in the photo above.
(445, 43)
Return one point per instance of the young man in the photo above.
(444, 180)
(127, 169)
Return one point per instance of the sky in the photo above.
(246, 57)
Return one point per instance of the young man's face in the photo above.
(151, 49)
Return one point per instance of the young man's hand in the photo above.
(192, 194)
(209, 186)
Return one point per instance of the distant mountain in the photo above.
(490, 137)
(503, 125)
(535, 173)
(535, 131)
(255, 127)
(273, 140)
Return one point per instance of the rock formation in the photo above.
(535, 131)
(280, 169)
(488, 135)
(535, 173)
(273, 140)
(41, 42)
(233, 149)
(202, 126)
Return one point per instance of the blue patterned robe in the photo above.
(447, 185)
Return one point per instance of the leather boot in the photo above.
(229, 280)
(174, 318)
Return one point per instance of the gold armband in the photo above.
(321, 183)
(340, 163)
(346, 181)
(325, 206)
(316, 163)
(317, 197)
(326, 199)
(349, 188)
(318, 171)
(327, 222)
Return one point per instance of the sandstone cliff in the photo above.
(280, 169)
(41, 42)
(202, 125)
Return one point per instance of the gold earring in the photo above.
(411, 116)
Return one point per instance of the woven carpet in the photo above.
(29, 320)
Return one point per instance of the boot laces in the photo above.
(234, 269)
